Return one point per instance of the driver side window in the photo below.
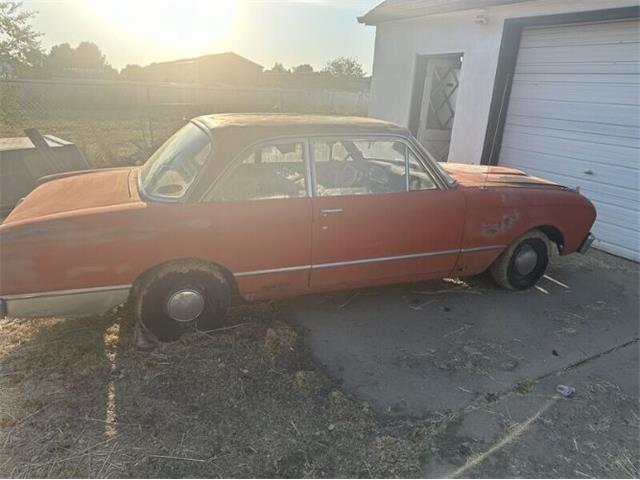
(268, 172)
(358, 166)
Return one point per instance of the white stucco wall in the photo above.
(399, 42)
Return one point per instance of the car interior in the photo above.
(274, 171)
(349, 167)
(342, 167)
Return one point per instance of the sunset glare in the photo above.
(187, 23)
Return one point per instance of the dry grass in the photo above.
(107, 140)
(77, 400)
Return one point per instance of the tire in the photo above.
(155, 300)
(522, 264)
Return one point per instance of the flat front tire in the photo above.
(524, 263)
(178, 298)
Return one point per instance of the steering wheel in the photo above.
(348, 176)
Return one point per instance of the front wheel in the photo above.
(522, 264)
(177, 298)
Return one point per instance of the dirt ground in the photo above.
(78, 401)
(261, 399)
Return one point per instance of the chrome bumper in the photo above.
(586, 243)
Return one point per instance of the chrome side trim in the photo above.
(383, 259)
(364, 261)
(481, 249)
(55, 293)
(68, 303)
(272, 270)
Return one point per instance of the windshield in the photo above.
(172, 169)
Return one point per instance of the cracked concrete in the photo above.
(491, 360)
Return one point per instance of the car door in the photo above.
(262, 212)
(379, 215)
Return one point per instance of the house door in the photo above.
(438, 107)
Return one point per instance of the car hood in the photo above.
(78, 191)
(485, 175)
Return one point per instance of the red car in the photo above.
(269, 206)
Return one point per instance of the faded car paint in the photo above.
(95, 230)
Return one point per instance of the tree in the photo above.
(304, 68)
(344, 67)
(278, 68)
(88, 55)
(20, 50)
(85, 60)
(132, 72)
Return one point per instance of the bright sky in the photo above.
(265, 31)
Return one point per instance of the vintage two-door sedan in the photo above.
(268, 206)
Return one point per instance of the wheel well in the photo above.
(186, 262)
(554, 235)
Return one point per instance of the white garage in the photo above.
(574, 117)
(548, 86)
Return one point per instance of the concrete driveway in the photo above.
(491, 360)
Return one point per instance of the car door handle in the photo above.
(327, 211)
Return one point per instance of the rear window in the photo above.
(173, 168)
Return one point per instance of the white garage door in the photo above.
(574, 117)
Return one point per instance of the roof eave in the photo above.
(378, 15)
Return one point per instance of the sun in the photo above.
(183, 23)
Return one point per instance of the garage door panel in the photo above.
(616, 236)
(593, 152)
(566, 134)
(570, 168)
(568, 127)
(631, 254)
(570, 78)
(619, 217)
(613, 52)
(586, 34)
(595, 191)
(595, 68)
(625, 115)
(577, 92)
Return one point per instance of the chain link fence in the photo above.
(121, 123)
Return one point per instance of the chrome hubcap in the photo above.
(185, 305)
(526, 260)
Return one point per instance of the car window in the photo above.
(271, 171)
(172, 169)
(419, 177)
(357, 166)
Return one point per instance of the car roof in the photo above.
(256, 126)
(233, 133)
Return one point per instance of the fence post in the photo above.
(149, 121)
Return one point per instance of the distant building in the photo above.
(216, 69)
(314, 80)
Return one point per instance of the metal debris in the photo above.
(565, 390)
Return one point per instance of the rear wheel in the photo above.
(523, 263)
(178, 298)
